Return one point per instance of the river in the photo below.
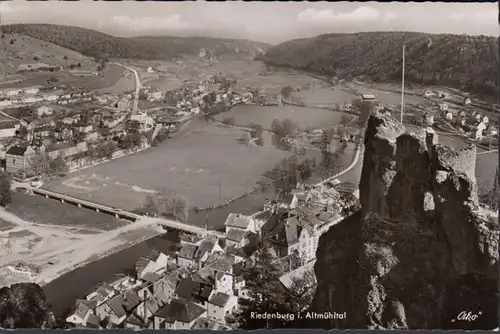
(63, 292)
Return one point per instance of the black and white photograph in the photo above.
(249, 165)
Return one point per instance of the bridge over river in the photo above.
(122, 214)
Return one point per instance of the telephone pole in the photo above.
(403, 83)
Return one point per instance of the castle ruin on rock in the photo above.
(421, 251)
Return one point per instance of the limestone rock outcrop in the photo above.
(420, 254)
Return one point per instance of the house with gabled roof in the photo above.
(155, 262)
(206, 247)
(178, 314)
(145, 312)
(117, 308)
(84, 316)
(237, 238)
(220, 306)
(113, 310)
(17, 159)
(195, 290)
(186, 238)
(260, 218)
(101, 294)
(134, 322)
(186, 255)
(239, 221)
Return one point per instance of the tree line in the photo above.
(99, 45)
(460, 61)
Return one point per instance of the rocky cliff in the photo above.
(421, 253)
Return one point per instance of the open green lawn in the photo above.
(304, 117)
(204, 163)
(41, 210)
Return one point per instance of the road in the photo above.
(137, 85)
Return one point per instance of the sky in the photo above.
(272, 22)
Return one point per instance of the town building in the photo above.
(31, 91)
(44, 111)
(8, 129)
(368, 97)
(84, 316)
(17, 159)
(429, 93)
(221, 305)
(178, 314)
(240, 222)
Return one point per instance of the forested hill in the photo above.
(96, 44)
(465, 62)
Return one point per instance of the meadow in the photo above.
(112, 75)
(203, 163)
(304, 117)
(40, 210)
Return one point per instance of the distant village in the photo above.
(70, 129)
(446, 113)
(200, 286)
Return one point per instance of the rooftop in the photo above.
(238, 221)
(180, 310)
(219, 299)
(235, 235)
(188, 251)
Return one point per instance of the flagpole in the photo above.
(403, 83)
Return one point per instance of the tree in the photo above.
(38, 164)
(287, 91)
(24, 305)
(168, 204)
(5, 189)
(299, 295)
(329, 165)
(346, 120)
(151, 204)
(58, 165)
(228, 120)
(277, 127)
(289, 127)
(326, 139)
(180, 208)
(257, 130)
(111, 148)
(265, 293)
(283, 128)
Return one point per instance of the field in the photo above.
(327, 96)
(28, 50)
(126, 83)
(112, 75)
(45, 211)
(204, 163)
(306, 118)
(389, 94)
(170, 74)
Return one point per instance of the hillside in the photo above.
(464, 62)
(96, 44)
(17, 50)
